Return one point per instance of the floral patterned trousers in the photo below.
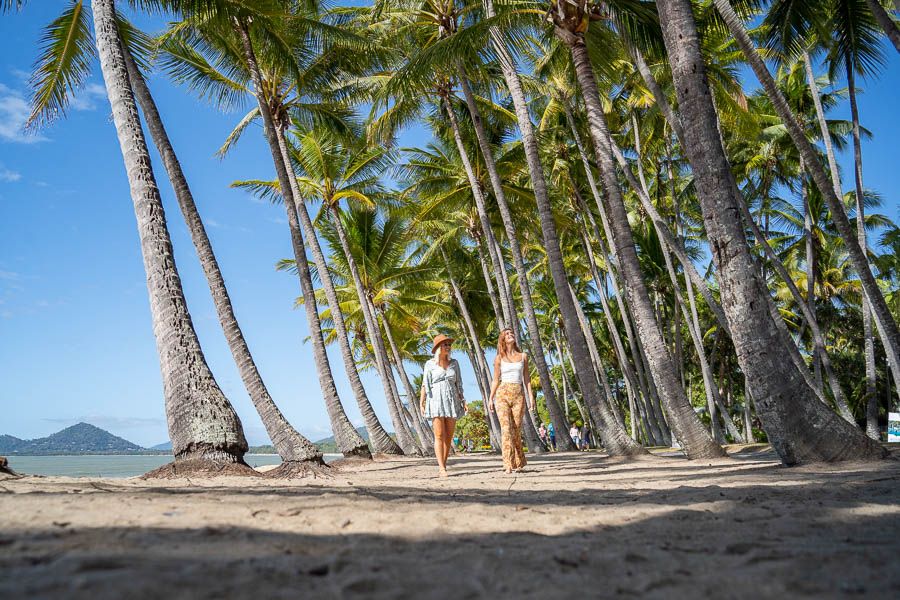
(510, 405)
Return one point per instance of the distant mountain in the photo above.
(82, 438)
(10, 444)
(329, 446)
(163, 446)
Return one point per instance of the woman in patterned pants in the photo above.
(510, 389)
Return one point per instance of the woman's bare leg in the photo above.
(438, 426)
(449, 428)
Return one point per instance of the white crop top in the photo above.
(511, 372)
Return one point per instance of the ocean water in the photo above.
(114, 465)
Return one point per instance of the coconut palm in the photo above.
(886, 324)
(202, 423)
(570, 24)
(331, 170)
(799, 427)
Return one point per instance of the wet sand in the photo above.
(572, 526)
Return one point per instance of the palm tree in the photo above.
(614, 437)
(331, 170)
(570, 27)
(201, 421)
(800, 428)
(886, 324)
(348, 439)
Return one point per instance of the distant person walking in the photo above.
(575, 434)
(586, 436)
(511, 387)
(542, 433)
(551, 435)
(441, 398)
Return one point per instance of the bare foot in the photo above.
(507, 471)
(442, 473)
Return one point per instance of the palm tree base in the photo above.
(202, 467)
(300, 469)
(358, 452)
(4, 467)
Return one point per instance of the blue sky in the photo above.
(75, 334)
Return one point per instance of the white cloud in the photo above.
(8, 175)
(87, 97)
(14, 112)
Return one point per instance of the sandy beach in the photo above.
(574, 525)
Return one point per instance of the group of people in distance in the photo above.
(441, 400)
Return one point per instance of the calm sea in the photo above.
(114, 465)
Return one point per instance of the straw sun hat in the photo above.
(440, 339)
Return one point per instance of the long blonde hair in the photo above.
(504, 347)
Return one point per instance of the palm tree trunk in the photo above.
(419, 424)
(347, 438)
(800, 428)
(887, 326)
(629, 376)
(404, 436)
(818, 338)
(748, 423)
(868, 334)
(809, 248)
(687, 427)
(379, 439)
(559, 419)
(202, 423)
(489, 280)
(823, 125)
(615, 439)
(886, 22)
(508, 314)
(595, 357)
(290, 445)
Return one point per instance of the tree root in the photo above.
(4, 468)
(362, 452)
(299, 470)
(202, 467)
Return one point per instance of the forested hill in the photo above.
(82, 438)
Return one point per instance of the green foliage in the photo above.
(473, 426)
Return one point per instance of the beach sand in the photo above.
(572, 526)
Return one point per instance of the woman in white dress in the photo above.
(512, 389)
(441, 398)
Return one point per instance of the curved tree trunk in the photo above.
(404, 436)
(687, 427)
(615, 438)
(871, 396)
(886, 22)
(887, 326)
(800, 428)
(380, 441)
(348, 440)
(201, 421)
(559, 419)
(290, 445)
(419, 424)
(481, 207)
(595, 356)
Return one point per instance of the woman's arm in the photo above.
(495, 383)
(459, 387)
(422, 391)
(526, 381)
